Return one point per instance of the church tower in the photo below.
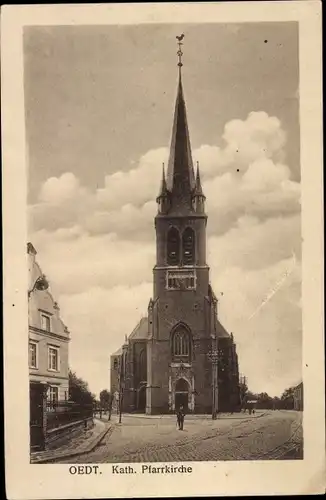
(179, 354)
(181, 314)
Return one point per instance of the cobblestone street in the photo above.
(266, 436)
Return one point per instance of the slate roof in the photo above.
(221, 332)
(140, 332)
(180, 180)
(118, 352)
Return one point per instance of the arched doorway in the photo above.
(181, 394)
(142, 399)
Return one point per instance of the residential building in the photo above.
(298, 397)
(48, 340)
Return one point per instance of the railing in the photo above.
(59, 413)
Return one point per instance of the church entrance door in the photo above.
(181, 394)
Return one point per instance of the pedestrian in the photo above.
(180, 418)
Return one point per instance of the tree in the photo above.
(264, 401)
(287, 398)
(78, 390)
(243, 389)
(105, 399)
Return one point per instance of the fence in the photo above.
(60, 413)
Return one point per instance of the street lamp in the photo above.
(41, 283)
(213, 357)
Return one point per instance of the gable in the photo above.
(220, 330)
(140, 332)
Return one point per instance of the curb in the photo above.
(76, 453)
(197, 417)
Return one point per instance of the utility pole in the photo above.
(213, 357)
(122, 374)
(120, 387)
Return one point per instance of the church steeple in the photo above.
(180, 174)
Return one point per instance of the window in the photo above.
(53, 358)
(181, 348)
(188, 246)
(33, 355)
(142, 366)
(181, 280)
(173, 247)
(53, 394)
(45, 322)
(115, 364)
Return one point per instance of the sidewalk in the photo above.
(78, 445)
(191, 416)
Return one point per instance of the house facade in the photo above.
(48, 340)
(298, 397)
(179, 354)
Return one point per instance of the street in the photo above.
(270, 435)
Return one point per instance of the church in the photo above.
(179, 354)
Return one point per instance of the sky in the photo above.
(99, 104)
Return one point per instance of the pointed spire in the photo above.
(198, 189)
(180, 175)
(163, 190)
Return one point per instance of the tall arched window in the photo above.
(181, 344)
(173, 247)
(142, 366)
(188, 246)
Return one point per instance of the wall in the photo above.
(298, 397)
(62, 435)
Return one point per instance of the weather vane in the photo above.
(180, 53)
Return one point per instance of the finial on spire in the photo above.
(163, 190)
(198, 188)
(180, 53)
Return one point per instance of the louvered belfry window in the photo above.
(173, 247)
(188, 246)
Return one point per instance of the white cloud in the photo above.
(139, 185)
(58, 190)
(98, 320)
(245, 176)
(77, 264)
(98, 250)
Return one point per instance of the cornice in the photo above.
(50, 335)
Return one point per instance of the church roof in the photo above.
(221, 332)
(118, 352)
(140, 332)
(180, 174)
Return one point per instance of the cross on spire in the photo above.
(180, 53)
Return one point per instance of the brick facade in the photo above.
(190, 358)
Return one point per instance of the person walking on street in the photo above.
(180, 418)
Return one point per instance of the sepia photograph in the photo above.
(164, 242)
(163, 245)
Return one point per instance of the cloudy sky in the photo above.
(99, 104)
